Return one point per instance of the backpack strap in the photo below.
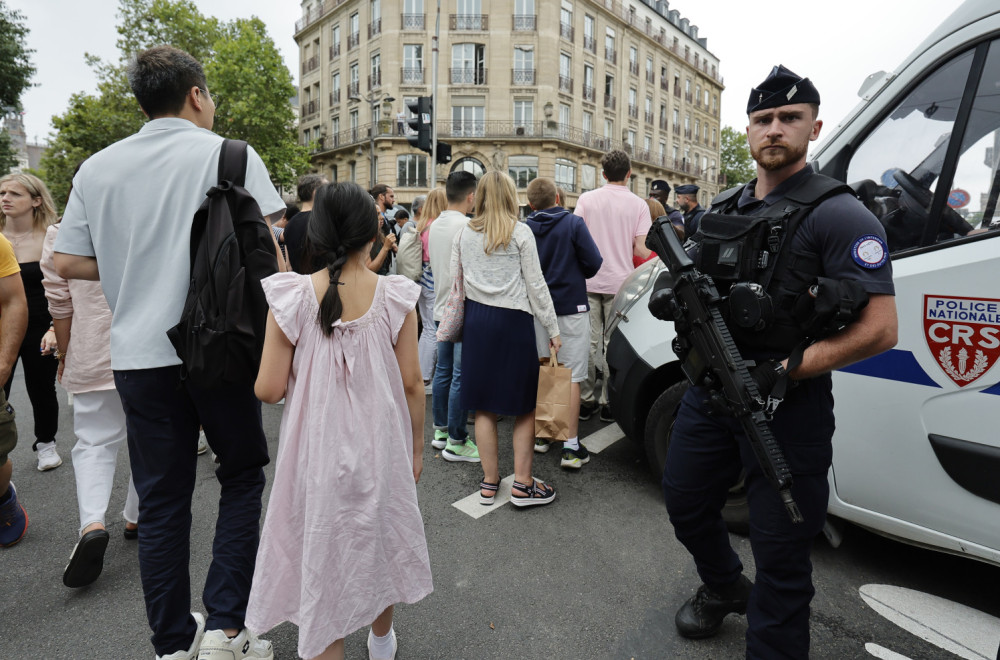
(233, 162)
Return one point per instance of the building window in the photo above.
(588, 177)
(588, 83)
(469, 164)
(411, 171)
(468, 64)
(566, 20)
(588, 123)
(609, 46)
(609, 128)
(522, 169)
(335, 41)
(589, 42)
(565, 115)
(375, 75)
(335, 131)
(335, 89)
(354, 34)
(524, 15)
(354, 171)
(565, 73)
(566, 174)
(524, 115)
(355, 77)
(633, 60)
(470, 16)
(413, 14)
(413, 64)
(649, 70)
(524, 65)
(375, 12)
(467, 120)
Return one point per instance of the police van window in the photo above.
(974, 193)
(896, 169)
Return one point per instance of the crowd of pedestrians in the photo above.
(343, 330)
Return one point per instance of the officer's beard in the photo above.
(775, 159)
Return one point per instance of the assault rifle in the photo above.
(710, 358)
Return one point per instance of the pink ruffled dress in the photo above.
(343, 537)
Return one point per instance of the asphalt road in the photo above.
(597, 574)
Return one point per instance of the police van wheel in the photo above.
(659, 423)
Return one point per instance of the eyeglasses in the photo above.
(216, 99)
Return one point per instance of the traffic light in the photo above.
(420, 123)
(443, 153)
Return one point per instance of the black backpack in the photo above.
(221, 332)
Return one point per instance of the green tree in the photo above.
(734, 154)
(16, 71)
(241, 63)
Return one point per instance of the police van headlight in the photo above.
(633, 289)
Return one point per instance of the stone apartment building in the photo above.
(532, 87)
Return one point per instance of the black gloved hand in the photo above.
(766, 375)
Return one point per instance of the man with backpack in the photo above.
(130, 217)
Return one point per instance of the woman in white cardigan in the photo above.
(504, 290)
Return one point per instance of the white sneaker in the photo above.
(202, 443)
(192, 652)
(371, 638)
(48, 457)
(216, 646)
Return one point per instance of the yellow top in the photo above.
(8, 262)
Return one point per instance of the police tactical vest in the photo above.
(752, 263)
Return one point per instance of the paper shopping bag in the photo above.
(552, 409)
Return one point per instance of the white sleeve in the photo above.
(258, 183)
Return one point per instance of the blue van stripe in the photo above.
(895, 365)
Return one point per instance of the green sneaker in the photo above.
(440, 440)
(465, 451)
(542, 445)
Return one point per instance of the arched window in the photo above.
(469, 164)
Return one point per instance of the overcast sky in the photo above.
(837, 43)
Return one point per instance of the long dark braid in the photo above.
(343, 222)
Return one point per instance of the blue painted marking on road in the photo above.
(895, 365)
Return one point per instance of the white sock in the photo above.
(382, 646)
(573, 443)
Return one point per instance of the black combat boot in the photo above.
(701, 616)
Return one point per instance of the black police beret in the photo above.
(687, 189)
(659, 184)
(781, 87)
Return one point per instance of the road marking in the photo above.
(474, 508)
(958, 629)
(884, 653)
(595, 442)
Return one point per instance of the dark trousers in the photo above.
(162, 418)
(39, 380)
(704, 459)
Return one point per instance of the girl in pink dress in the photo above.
(343, 539)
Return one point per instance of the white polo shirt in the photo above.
(131, 207)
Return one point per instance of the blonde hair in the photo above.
(45, 213)
(436, 202)
(496, 211)
(655, 208)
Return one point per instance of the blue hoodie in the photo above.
(568, 256)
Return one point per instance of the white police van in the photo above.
(917, 446)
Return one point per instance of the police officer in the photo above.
(660, 191)
(837, 239)
(687, 201)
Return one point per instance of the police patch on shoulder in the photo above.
(870, 252)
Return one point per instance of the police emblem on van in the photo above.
(963, 335)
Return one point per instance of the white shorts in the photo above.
(574, 331)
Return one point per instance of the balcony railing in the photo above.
(566, 31)
(375, 80)
(609, 101)
(688, 96)
(468, 76)
(410, 76)
(633, 111)
(316, 13)
(664, 84)
(310, 64)
(610, 55)
(677, 91)
(353, 88)
(649, 117)
(523, 22)
(664, 124)
(687, 133)
(375, 27)
(633, 68)
(522, 76)
(309, 108)
(412, 21)
(565, 84)
(478, 22)
(650, 77)
(589, 43)
(411, 181)
(353, 40)
(677, 129)
(335, 50)
(335, 97)
(588, 93)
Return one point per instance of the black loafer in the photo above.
(702, 615)
(87, 561)
(131, 534)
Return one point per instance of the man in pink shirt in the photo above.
(618, 221)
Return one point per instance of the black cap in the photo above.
(658, 185)
(687, 189)
(781, 87)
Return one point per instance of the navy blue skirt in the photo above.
(499, 360)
